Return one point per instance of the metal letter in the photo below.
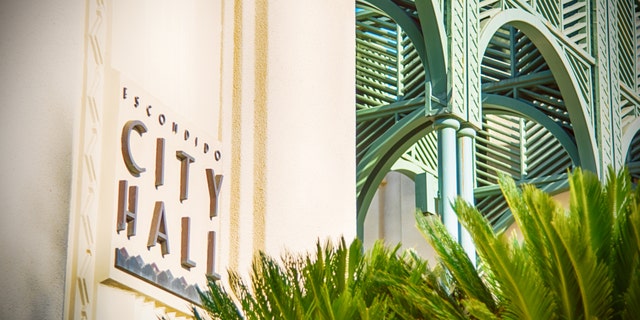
(158, 232)
(186, 159)
(214, 191)
(140, 128)
(211, 256)
(184, 252)
(127, 216)
(159, 162)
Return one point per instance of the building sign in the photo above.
(164, 204)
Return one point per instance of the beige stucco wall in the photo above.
(391, 217)
(310, 123)
(41, 54)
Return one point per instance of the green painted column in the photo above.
(447, 171)
(466, 183)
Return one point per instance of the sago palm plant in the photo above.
(337, 282)
(296, 287)
(581, 263)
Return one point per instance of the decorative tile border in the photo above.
(150, 273)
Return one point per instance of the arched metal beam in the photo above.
(408, 25)
(432, 25)
(513, 106)
(630, 131)
(543, 39)
(407, 168)
(382, 154)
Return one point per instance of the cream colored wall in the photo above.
(287, 124)
(391, 216)
(310, 124)
(249, 72)
(41, 54)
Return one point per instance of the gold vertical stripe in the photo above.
(260, 125)
(236, 127)
(221, 92)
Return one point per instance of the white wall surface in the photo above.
(391, 217)
(311, 123)
(41, 52)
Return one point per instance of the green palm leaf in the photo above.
(453, 256)
(533, 210)
(578, 264)
(524, 294)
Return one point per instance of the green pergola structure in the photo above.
(463, 89)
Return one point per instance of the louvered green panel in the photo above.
(547, 98)
(413, 74)
(583, 73)
(390, 77)
(550, 10)
(528, 58)
(512, 56)
(488, 8)
(424, 154)
(498, 149)
(525, 150)
(494, 208)
(544, 155)
(575, 22)
(637, 46)
(496, 63)
(626, 42)
(629, 108)
(369, 131)
(390, 85)
(376, 59)
(521, 148)
(388, 67)
(633, 156)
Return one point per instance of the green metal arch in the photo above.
(407, 168)
(383, 154)
(543, 39)
(509, 105)
(407, 24)
(630, 132)
(432, 24)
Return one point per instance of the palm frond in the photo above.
(453, 256)
(631, 297)
(217, 302)
(478, 310)
(589, 203)
(526, 297)
(533, 210)
(578, 264)
(592, 283)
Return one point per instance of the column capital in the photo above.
(446, 123)
(467, 131)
